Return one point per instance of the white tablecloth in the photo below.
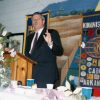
(19, 94)
(35, 94)
(30, 94)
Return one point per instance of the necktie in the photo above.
(34, 43)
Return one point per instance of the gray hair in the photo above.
(38, 13)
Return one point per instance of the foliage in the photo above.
(5, 61)
(3, 49)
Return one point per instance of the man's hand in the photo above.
(48, 38)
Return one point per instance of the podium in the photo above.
(21, 69)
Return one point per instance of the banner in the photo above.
(90, 51)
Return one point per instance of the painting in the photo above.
(16, 41)
(71, 7)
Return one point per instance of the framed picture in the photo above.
(29, 29)
(16, 41)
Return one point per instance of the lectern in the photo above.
(21, 69)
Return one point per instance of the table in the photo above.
(30, 94)
(24, 93)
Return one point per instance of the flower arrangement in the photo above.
(5, 61)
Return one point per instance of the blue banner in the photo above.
(90, 51)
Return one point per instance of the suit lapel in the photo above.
(29, 40)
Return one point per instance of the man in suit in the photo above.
(47, 47)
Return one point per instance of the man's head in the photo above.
(38, 21)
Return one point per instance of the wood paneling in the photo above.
(67, 25)
(70, 29)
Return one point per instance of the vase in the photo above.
(5, 73)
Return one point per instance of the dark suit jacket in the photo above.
(46, 69)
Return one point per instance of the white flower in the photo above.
(2, 70)
(68, 93)
(71, 77)
(1, 75)
(61, 88)
(1, 53)
(67, 85)
(1, 58)
(12, 50)
(83, 45)
(4, 33)
(13, 54)
(77, 90)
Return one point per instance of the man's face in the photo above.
(37, 22)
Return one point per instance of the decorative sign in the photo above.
(90, 51)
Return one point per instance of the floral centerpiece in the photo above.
(5, 62)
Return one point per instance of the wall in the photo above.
(13, 12)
